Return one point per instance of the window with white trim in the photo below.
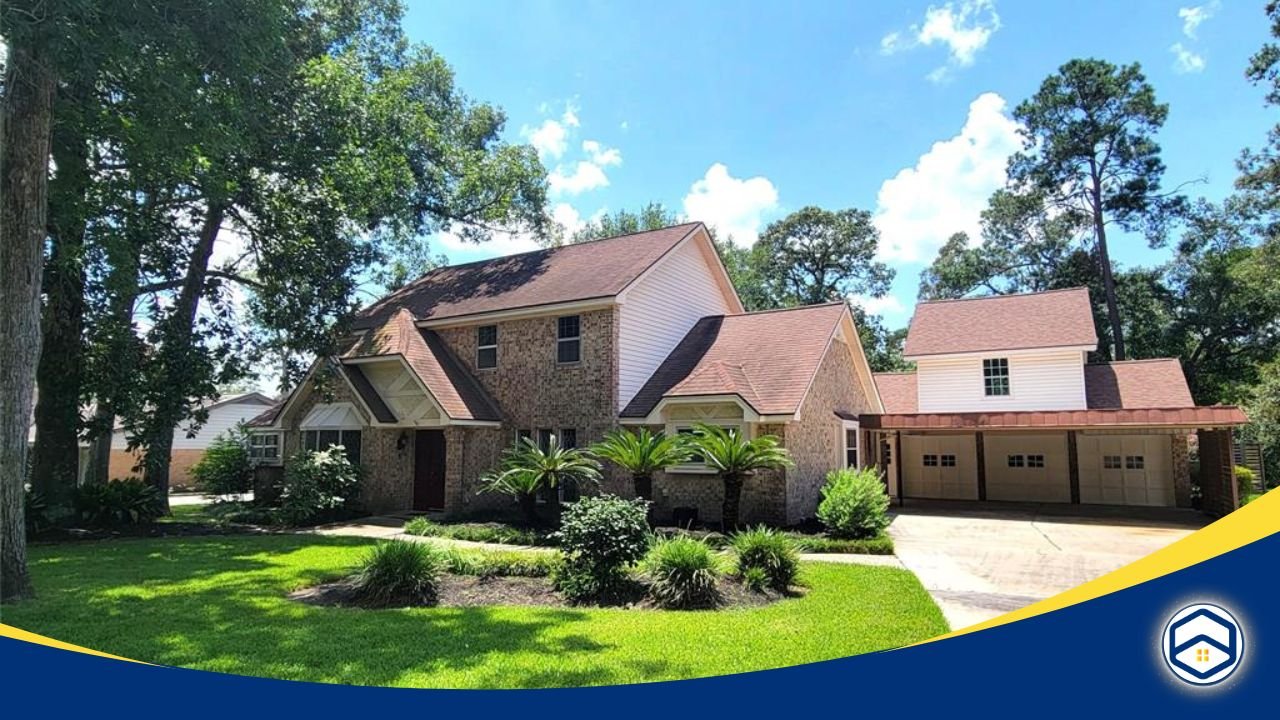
(697, 463)
(568, 339)
(487, 347)
(264, 448)
(995, 377)
(317, 440)
(851, 444)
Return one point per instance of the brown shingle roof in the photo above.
(897, 391)
(1058, 318)
(459, 394)
(1137, 384)
(585, 271)
(1130, 385)
(767, 358)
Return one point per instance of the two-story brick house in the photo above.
(1004, 406)
(643, 329)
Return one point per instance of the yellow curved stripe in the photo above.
(10, 631)
(1250, 523)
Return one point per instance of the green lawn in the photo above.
(217, 603)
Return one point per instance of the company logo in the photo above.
(1203, 644)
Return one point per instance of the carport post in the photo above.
(981, 447)
(1073, 467)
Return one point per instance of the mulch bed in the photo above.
(470, 591)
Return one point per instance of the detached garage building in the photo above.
(1003, 406)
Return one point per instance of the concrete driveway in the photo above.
(980, 560)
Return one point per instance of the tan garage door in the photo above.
(1027, 468)
(1126, 469)
(939, 466)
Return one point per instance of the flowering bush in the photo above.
(318, 486)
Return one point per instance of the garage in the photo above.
(1027, 467)
(1126, 469)
(939, 466)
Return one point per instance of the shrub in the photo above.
(527, 470)
(225, 468)
(770, 551)
(318, 486)
(35, 512)
(1244, 481)
(500, 563)
(854, 504)
(682, 574)
(600, 537)
(400, 572)
(120, 502)
(881, 544)
(478, 532)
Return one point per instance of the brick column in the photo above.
(1217, 481)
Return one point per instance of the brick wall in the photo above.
(816, 441)
(763, 494)
(122, 464)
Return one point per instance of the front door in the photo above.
(428, 470)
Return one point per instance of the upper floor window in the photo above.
(487, 346)
(995, 376)
(568, 339)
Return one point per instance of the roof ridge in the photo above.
(1132, 362)
(895, 372)
(1002, 295)
(794, 308)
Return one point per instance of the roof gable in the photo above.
(766, 358)
(1058, 318)
(571, 273)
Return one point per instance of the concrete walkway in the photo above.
(980, 560)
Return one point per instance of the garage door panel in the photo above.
(1021, 482)
(1126, 470)
(936, 481)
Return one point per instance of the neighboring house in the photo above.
(188, 448)
(1004, 406)
(644, 329)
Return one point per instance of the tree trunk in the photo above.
(1108, 280)
(55, 459)
(732, 501)
(643, 486)
(171, 407)
(529, 507)
(24, 172)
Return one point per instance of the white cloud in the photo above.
(921, 206)
(878, 306)
(551, 138)
(964, 27)
(585, 176)
(733, 206)
(601, 155)
(1186, 61)
(502, 243)
(624, 126)
(1193, 17)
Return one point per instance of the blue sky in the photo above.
(738, 113)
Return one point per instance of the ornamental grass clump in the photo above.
(763, 550)
(400, 572)
(682, 574)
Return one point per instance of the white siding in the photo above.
(221, 419)
(1048, 380)
(658, 311)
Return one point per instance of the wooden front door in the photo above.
(428, 470)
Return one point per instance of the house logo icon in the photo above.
(1203, 644)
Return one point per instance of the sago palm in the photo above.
(527, 470)
(735, 458)
(642, 454)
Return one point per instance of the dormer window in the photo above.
(995, 376)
